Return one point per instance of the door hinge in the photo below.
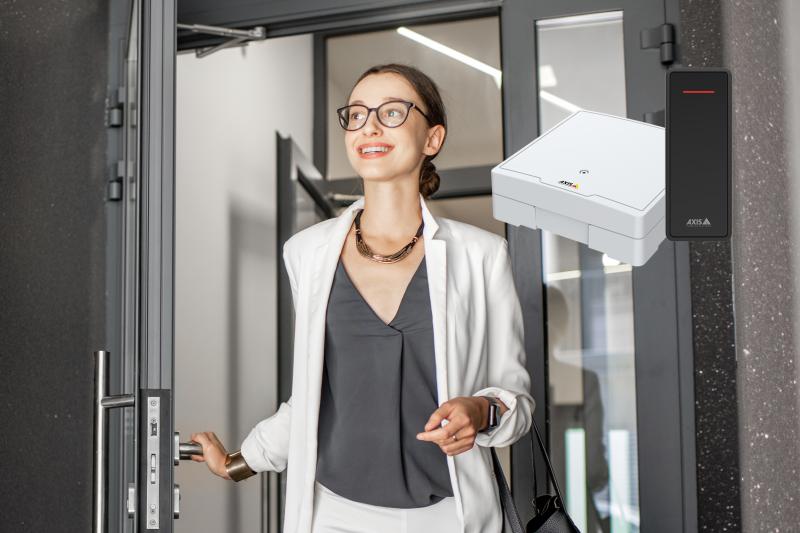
(115, 106)
(114, 185)
(654, 117)
(662, 37)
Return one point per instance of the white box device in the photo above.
(593, 178)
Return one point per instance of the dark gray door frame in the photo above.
(141, 305)
(295, 17)
(122, 259)
(157, 241)
(664, 386)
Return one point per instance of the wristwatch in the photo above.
(237, 467)
(494, 414)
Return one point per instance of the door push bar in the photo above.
(102, 404)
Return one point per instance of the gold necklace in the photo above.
(364, 250)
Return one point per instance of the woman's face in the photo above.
(407, 144)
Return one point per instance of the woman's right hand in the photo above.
(214, 453)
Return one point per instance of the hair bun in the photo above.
(428, 179)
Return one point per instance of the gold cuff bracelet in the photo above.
(237, 467)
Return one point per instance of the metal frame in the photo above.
(122, 271)
(157, 200)
(311, 16)
(158, 193)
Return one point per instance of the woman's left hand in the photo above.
(466, 415)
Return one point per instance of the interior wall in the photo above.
(229, 106)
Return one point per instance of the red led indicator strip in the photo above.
(698, 92)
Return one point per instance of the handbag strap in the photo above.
(546, 462)
(506, 501)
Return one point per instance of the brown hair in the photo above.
(434, 108)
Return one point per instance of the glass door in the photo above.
(590, 333)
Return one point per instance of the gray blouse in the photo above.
(378, 391)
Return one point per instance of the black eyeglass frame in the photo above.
(408, 105)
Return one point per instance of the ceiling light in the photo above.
(450, 52)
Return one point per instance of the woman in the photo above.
(408, 350)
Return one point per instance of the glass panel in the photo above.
(589, 299)
(462, 57)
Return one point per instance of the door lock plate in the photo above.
(152, 465)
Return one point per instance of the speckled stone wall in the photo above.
(769, 422)
(711, 271)
(53, 57)
(750, 278)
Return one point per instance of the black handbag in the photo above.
(550, 516)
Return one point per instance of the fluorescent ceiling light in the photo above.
(450, 52)
(549, 78)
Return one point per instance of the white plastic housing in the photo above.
(593, 178)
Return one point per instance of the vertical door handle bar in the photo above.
(102, 404)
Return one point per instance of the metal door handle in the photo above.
(185, 450)
(102, 404)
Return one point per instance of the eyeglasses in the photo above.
(391, 114)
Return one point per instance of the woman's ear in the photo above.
(433, 144)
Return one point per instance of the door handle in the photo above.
(102, 404)
(185, 450)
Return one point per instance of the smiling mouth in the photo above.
(374, 150)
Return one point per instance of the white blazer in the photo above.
(478, 345)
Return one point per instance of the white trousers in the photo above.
(336, 514)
